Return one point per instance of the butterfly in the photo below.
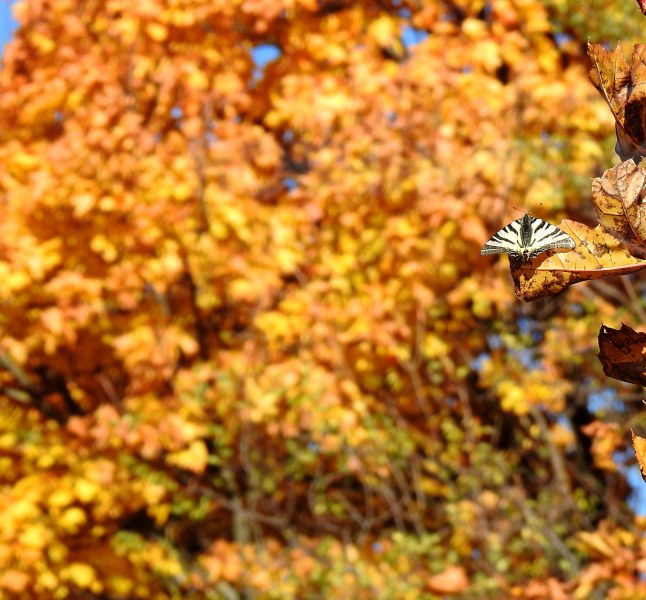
(526, 238)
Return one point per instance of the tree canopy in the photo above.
(248, 345)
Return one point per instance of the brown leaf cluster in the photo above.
(616, 245)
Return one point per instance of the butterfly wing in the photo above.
(526, 238)
(508, 239)
(548, 237)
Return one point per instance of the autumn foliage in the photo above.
(248, 346)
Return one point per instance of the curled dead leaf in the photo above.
(617, 197)
(622, 353)
(621, 86)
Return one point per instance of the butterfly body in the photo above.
(526, 238)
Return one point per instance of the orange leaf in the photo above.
(639, 444)
(452, 580)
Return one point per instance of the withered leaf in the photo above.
(618, 200)
(597, 254)
(622, 353)
(639, 445)
(621, 86)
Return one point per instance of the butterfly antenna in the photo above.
(525, 212)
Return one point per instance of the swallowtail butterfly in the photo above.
(526, 238)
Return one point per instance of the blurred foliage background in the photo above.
(249, 348)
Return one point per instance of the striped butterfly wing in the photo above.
(526, 238)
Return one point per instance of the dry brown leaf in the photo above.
(622, 353)
(639, 444)
(597, 254)
(618, 196)
(620, 86)
(452, 580)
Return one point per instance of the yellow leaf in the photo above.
(243, 290)
(82, 575)
(120, 585)
(434, 347)
(182, 191)
(157, 31)
(383, 30)
(194, 458)
(83, 203)
(197, 80)
(103, 246)
(24, 161)
(43, 43)
(48, 581)
(474, 28)
(16, 280)
(61, 497)
(639, 444)
(160, 513)
(57, 552)
(513, 398)
(286, 259)
(71, 519)
(35, 536)
(86, 490)
(597, 544)
(152, 493)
